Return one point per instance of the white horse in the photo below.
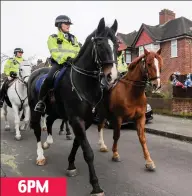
(17, 94)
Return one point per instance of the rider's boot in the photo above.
(41, 106)
(3, 92)
(1, 102)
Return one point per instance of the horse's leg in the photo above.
(26, 114)
(71, 170)
(61, 132)
(17, 122)
(81, 139)
(150, 165)
(68, 134)
(49, 121)
(35, 125)
(43, 123)
(4, 114)
(103, 147)
(116, 135)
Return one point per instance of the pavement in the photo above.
(173, 160)
(172, 127)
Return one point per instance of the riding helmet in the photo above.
(62, 19)
(18, 50)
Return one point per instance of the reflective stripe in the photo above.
(59, 57)
(62, 50)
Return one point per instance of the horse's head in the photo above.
(104, 52)
(24, 71)
(152, 67)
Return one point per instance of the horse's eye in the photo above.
(21, 70)
(149, 64)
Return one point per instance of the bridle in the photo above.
(21, 78)
(145, 75)
(96, 74)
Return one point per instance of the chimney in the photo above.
(166, 15)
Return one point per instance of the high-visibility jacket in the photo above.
(122, 66)
(60, 48)
(12, 64)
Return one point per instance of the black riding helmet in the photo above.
(18, 50)
(62, 19)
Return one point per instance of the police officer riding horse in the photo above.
(11, 69)
(63, 48)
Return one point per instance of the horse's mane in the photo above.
(108, 32)
(135, 62)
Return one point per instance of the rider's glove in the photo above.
(13, 74)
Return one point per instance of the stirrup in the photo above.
(40, 107)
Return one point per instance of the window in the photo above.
(173, 48)
(128, 56)
(156, 47)
(149, 47)
(141, 50)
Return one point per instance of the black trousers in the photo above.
(48, 82)
(4, 88)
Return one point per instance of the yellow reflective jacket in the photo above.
(60, 48)
(122, 66)
(12, 64)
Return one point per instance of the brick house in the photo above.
(173, 35)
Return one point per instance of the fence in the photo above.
(180, 92)
(172, 106)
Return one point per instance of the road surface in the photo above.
(173, 176)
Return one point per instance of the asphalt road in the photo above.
(173, 159)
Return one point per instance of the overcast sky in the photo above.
(28, 24)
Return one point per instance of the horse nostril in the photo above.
(154, 86)
(109, 78)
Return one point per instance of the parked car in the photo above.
(148, 115)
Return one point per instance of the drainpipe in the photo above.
(190, 42)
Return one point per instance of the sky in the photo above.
(27, 24)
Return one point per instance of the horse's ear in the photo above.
(159, 51)
(146, 52)
(114, 26)
(101, 26)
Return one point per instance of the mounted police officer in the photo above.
(11, 69)
(122, 66)
(63, 48)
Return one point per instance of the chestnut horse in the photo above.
(127, 100)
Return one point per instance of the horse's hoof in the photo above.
(71, 173)
(101, 193)
(7, 128)
(104, 149)
(44, 129)
(116, 159)
(41, 162)
(22, 128)
(61, 132)
(150, 166)
(18, 138)
(69, 137)
(45, 146)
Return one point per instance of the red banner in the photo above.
(25, 186)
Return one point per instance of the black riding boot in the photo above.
(48, 82)
(3, 91)
(41, 106)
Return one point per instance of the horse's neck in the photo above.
(137, 88)
(21, 88)
(85, 84)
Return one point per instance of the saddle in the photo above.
(56, 78)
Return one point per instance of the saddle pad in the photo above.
(56, 79)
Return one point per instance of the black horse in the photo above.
(77, 94)
(68, 132)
